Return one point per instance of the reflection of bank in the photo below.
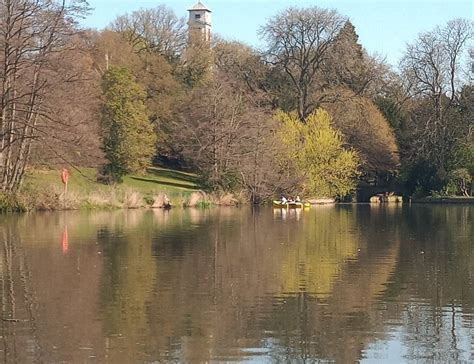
(50, 297)
(17, 328)
(197, 286)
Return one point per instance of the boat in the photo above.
(290, 204)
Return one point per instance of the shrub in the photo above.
(315, 151)
(11, 203)
(459, 182)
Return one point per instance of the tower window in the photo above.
(197, 16)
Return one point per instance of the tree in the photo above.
(350, 66)
(227, 136)
(156, 30)
(259, 174)
(70, 133)
(151, 70)
(299, 43)
(112, 49)
(244, 66)
(366, 130)
(464, 154)
(225, 128)
(431, 69)
(318, 155)
(153, 73)
(213, 125)
(459, 182)
(195, 66)
(31, 32)
(129, 140)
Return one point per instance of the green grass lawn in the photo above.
(83, 181)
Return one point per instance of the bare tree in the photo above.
(229, 137)
(431, 69)
(70, 134)
(213, 125)
(247, 68)
(432, 65)
(299, 42)
(153, 30)
(31, 32)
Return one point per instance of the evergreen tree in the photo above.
(348, 64)
(128, 137)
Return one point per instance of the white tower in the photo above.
(200, 20)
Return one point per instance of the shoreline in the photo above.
(445, 200)
(210, 201)
(43, 191)
(36, 201)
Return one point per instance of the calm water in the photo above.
(343, 284)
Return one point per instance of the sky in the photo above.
(384, 26)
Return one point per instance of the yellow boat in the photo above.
(290, 204)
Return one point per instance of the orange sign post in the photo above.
(65, 179)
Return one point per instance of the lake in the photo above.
(338, 283)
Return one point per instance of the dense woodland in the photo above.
(311, 113)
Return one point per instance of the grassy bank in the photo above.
(43, 190)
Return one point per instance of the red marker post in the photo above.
(65, 179)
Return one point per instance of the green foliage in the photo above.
(459, 183)
(316, 149)
(464, 156)
(11, 203)
(204, 204)
(128, 137)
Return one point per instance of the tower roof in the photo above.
(200, 6)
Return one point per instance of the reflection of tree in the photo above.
(261, 275)
(49, 299)
(229, 284)
(126, 286)
(318, 252)
(338, 324)
(17, 317)
(435, 278)
(254, 285)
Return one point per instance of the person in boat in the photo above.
(283, 200)
(297, 199)
(291, 201)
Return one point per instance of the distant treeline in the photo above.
(312, 113)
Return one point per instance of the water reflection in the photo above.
(343, 283)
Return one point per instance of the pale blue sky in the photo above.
(384, 26)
